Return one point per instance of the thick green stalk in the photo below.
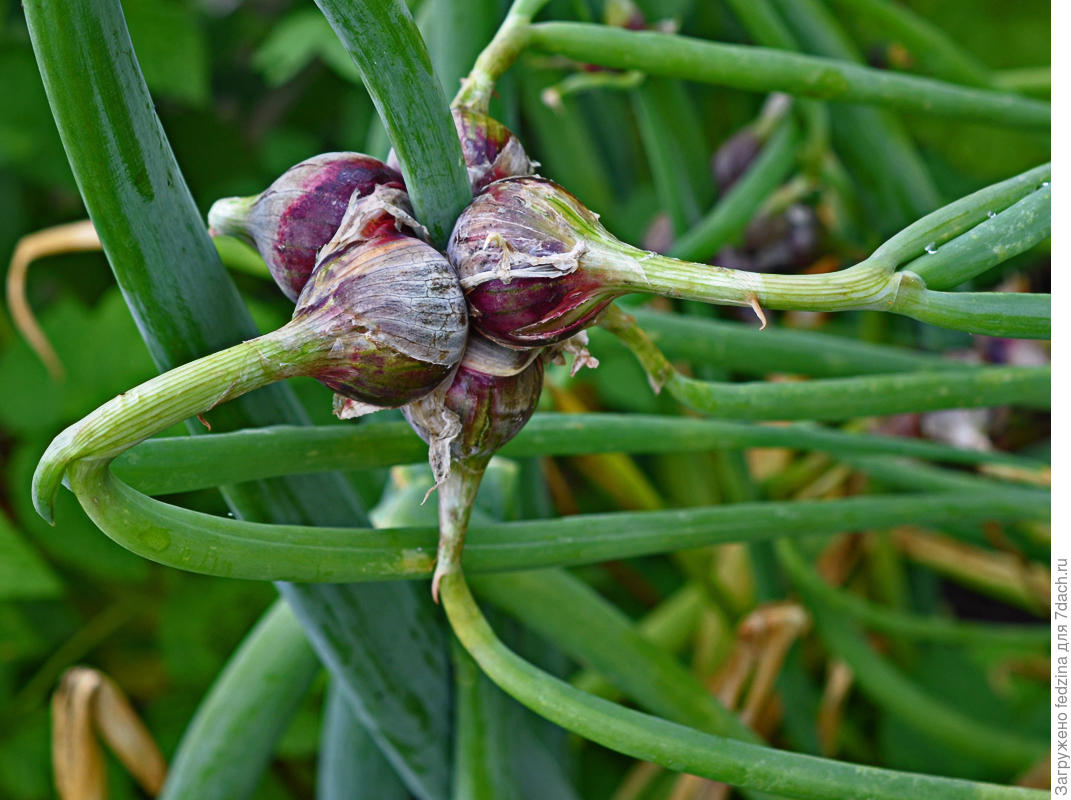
(929, 715)
(733, 211)
(230, 740)
(234, 548)
(871, 284)
(383, 41)
(177, 464)
(760, 69)
(934, 50)
(184, 303)
(946, 630)
(684, 749)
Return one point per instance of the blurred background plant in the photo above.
(246, 90)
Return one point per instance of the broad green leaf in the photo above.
(232, 737)
(23, 573)
(28, 142)
(295, 41)
(201, 620)
(171, 47)
(402, 700)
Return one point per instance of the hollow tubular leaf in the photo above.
(914, 626)
(1013, 231)
(170, 465)
(764, 70)
(230, 741)
(685, 749)
(234, 548)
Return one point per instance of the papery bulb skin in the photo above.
(388, 318)
(519, 250)
(489, 399)
(490, 149)
(293, 218)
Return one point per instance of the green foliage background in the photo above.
(245, 91)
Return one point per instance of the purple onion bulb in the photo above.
(293, 218)
(387, 318)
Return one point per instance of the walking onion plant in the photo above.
(537, 267)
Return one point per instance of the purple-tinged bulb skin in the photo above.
(293, 218)
(388, 319)
(489, 399)
(490, 149)
(519, 250)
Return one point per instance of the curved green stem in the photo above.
(550, 602)
(211, 545)
(764, 70)
(178, 394)
(683, 749)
